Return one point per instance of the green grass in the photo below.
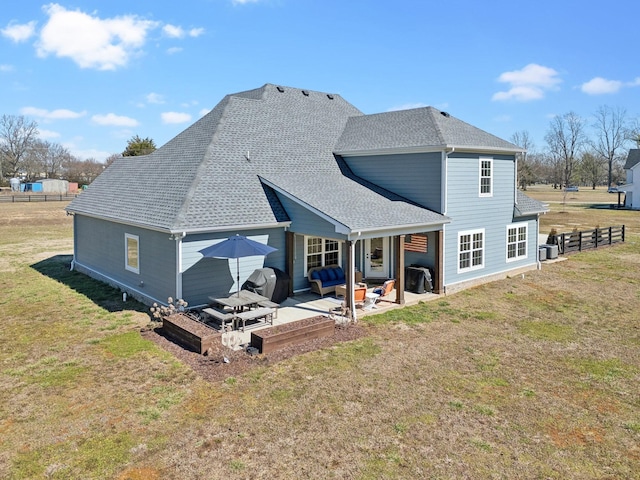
(532, 377)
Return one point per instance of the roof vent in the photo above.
(305, 93)
(445, 114)
(329, 96)
(280, 89)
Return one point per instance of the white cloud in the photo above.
(600, 86)
(174, 31)
(92, 42)
(204, 111)
(47, 134)
(244, 2)
(19, 32)
(196, 32)
(59, 114)
(528, 84)
(155, 98)
(6, 68)
(173, 50)
(175, 117)
(111, 119)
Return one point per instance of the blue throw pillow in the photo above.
(324, 275)
(332, 274)
(315, 275)
(339, 273)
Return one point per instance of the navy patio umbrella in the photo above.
(237, 247)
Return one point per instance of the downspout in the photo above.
(178, 238)
(445, 178)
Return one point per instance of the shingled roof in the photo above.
(419, 129)
(633, 158)
(527, 206)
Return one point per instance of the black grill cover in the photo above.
(269, 282)
(418, 279)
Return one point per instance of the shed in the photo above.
(52, 185)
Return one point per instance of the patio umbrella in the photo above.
(237, 247)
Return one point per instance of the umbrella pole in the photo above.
(238, 275)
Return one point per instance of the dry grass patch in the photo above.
(533, 377)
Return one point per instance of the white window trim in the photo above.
(128, 267)
(306, 249)
(471, 268)
(517, 226)
(481, 160)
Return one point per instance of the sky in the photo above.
(94, 74)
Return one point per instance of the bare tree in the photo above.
(565, 138)
(526, 166)
(611, 135)
(633, 132)
(16, 135)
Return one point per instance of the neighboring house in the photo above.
(632, 187)
(310, 175)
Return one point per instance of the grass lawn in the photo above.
(530, 377)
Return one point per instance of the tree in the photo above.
(16, 136)
(83, 172)
(633, 132)
(611, 132)
(565, 138)
(527, 160)
(592, 168)
(137, 146)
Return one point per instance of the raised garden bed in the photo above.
(190, 333)
(269, 339)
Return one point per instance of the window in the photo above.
(132, 253)
(321, 252)
(470, 250)
(486, 177)
(516, 242)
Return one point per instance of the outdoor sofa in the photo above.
(324, 280)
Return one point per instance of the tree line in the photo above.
(26, 156)
(579, 151)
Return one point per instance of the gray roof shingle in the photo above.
(633, 158)
(417, 129)
(218, 173)
(527, 206)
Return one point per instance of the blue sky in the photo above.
(93, 74)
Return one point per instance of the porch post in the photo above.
(439, 266)
(289, 247)
(398, 242)
(350, 277)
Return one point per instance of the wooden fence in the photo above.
(38, 197)
(578, 241)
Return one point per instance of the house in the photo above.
(632, 187)
(309, 174)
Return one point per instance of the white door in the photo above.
(376, 262)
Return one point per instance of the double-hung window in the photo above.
(321, 252)
(132, 253)
(486, 177)
(470, 250)
(516, 242)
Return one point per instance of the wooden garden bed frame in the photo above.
(190, 333)
(269, 339)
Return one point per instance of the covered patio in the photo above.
(307, 305)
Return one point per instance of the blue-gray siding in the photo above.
(205, 277)
(417, 177)
(470, 211)
(100, 247)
